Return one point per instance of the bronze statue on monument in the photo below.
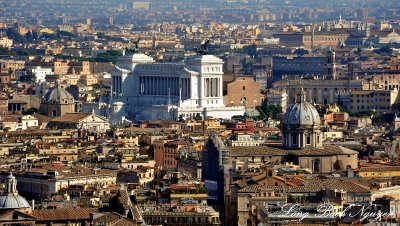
(135, 49)
(204, 49)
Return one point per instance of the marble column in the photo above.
(217, 87)
(319, 96)
(188, 88)
(206, 87)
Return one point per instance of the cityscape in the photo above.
(211, 112)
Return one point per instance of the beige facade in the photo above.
(261, 195)
(326, 38)
(99, 67)
(18, 122)
(6, 42)
(83, 121)
(53, 110)
(70, 79)
(277, 98)
(327, 163)
(88, 80)
(66, 67)
(311, 39)
(243, 91)
(245, 140)
(379, 101)
(386, 82)
(7, 66)
(35, 183)
(317, 91)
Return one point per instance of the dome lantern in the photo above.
(10, 199)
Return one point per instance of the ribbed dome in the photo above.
(10, 199)
(58, 95)
(302, 114)
(13, 201)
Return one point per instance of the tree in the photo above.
(31, 36)
(110, 38)
(28, 77)
(65, 34)
(321, 110)
(13, 34)
(301, 52)
(48, 36)
(30, 111)
(272, 111)
(4, 51)
(198, 117)
(239, 117)
(109, 56)
(25, 52)
(251, 50)
(396, 107)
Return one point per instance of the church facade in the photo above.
(150, 90)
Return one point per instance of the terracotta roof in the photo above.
(257, 178)
(21, 216)
(350, 185)
(70, 117)
(256, 150)
(178, 142)
(10, 118)
(325, 151)
(42, 118)
(63, 214)
(256, 187)
(296, 181)
(113, 219)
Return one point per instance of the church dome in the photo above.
(58, 95)
(10, 199)
(302, 114)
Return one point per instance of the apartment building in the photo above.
(379, 101)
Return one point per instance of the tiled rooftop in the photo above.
(63, 214)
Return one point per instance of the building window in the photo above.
(294, 139)
(54, 113)
(244, 87)
(308, 140)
